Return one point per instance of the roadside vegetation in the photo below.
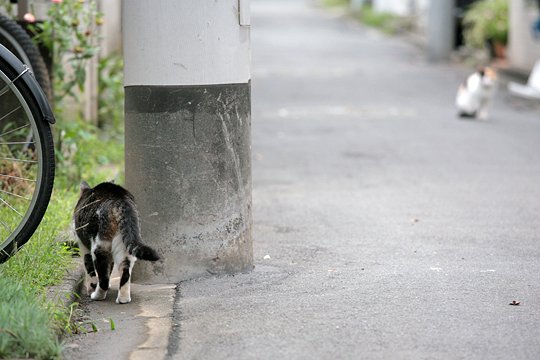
(485, 25)
(32, 324)
(384, 21)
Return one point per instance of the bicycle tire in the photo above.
(16, 39)
(34, 106)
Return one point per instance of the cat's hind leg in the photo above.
(91, 276)
(103, 266)
(90, 280)
(124, 291)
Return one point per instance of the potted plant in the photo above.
(486, 24)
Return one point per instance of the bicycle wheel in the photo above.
(26, 154)
(16, 39)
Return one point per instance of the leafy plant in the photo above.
(111, 92)
(486, 21)
(86, 153)
(384, 21)
(70, 34)
(6, 6)
(24, 324)
(335, 3)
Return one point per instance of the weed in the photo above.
(87, 153)
(386, 22)
(335, 3)
(30, 324)
(24, 324)
(70, 34)
(43, 260)
(111, 93)
(113, 325)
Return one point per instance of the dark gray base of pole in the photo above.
(188, 164)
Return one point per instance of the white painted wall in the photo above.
(201, 43)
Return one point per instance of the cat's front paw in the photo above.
(99, 294)
(123, 300)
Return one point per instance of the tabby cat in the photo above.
(107, 227)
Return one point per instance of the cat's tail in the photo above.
(129, 225)
(144, 252)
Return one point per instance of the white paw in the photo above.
(123, 300)
(99, 294)
(90, 288)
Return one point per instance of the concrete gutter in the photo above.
(67, 292)
(141, 328)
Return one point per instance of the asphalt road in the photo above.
(394, 230)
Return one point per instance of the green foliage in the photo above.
(111, 93)
(43, 261)
(6, 6)
(24, 324)
(335, 3)
(386, 22)
(84, 152)
(70, 34)
(486, 21)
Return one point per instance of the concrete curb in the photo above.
(142, 327)
(68, 291)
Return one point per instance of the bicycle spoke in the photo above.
(18, 143)
(9, 113)
(19, 160)
(26, 152)
(17, 178)
(10, 131)
(4, 90)
(12, 194)
(6, 226)
(11, 207)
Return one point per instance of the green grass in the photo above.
(24, 324)
(30, 324)
(43, 261)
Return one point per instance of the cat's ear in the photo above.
(84, 186)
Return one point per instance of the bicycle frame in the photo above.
(30, 81)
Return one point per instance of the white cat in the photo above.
(475, 93)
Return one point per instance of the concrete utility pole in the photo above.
(440, 30)
(188, 134)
